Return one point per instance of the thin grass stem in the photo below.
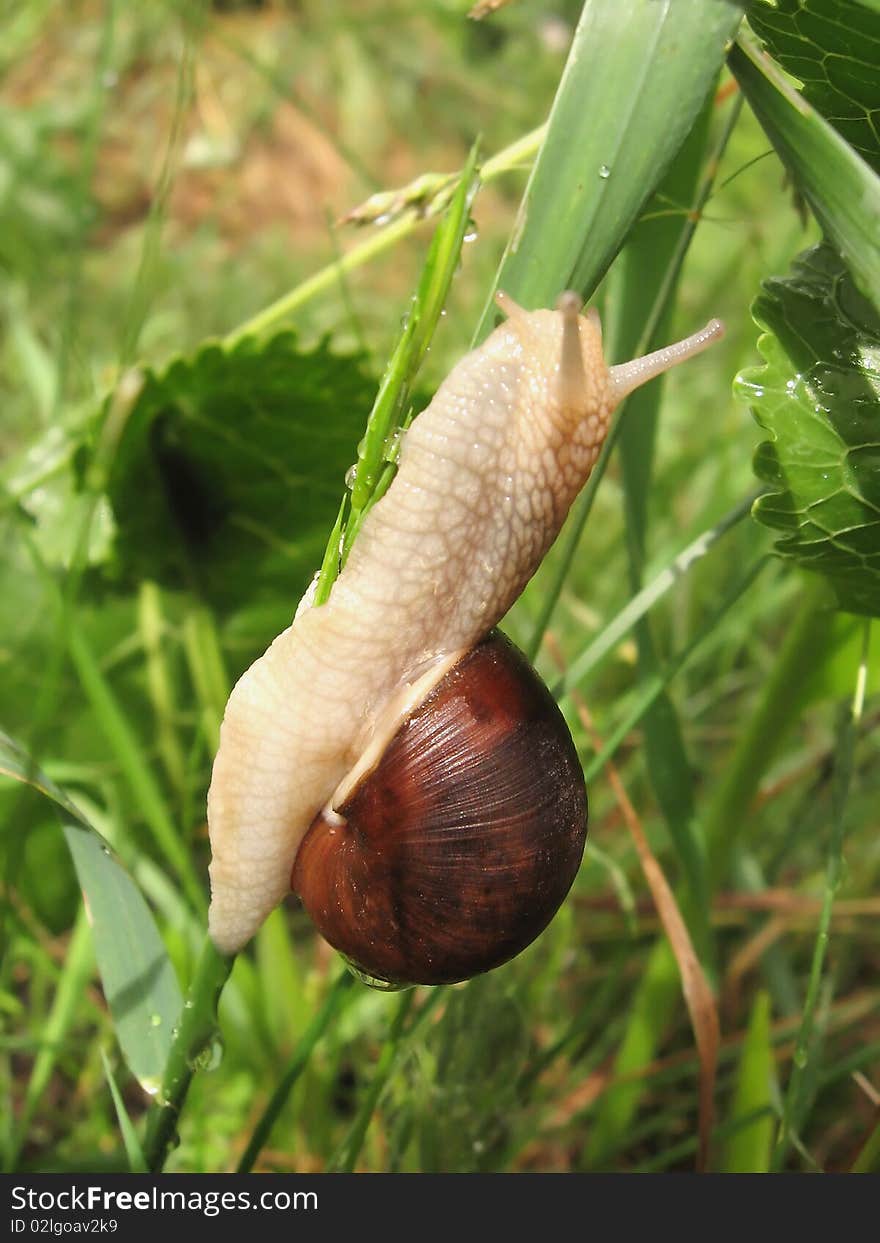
(192, 1040)
(802, 1074)
(299, 1059)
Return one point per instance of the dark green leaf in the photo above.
(228, 473)
(833, 48)
(842, 190)
(817, 395)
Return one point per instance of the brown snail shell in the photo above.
(457, 849)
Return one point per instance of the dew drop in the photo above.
(155, 1020)
(604, 172)
(208, 1057)
(371, 981)
(391, 447)
(351, 476)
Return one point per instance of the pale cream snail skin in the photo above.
(487, 474)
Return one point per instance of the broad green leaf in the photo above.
(833, 48)
(819, 397)
(228, 473)
(138, 979)
(638, 73)
(842, 190)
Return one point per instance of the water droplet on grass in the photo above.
(209, 1057)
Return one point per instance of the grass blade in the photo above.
(695, 986)
(297, 1064)
(376, 452)
(796, 1097)
(130, 756)
(345, 1159)
(619, 116)
(645, 600)
(78, 967)
(192, 1038)
(138, 979)
(648, 274)
(137, 976)
(652, 687)
(868, 1160)
(133, 1151)
(748, 1149)
(654, 1002)
(777, 710)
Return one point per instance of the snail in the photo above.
(391, 757)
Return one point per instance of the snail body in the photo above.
(486, 477)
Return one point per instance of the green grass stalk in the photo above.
(868, 1160)
(776, 711)
(131, 758)
(192, 1041)
(79, 963)
(333, 1002)
(802, 1075)
(509, 159)
(641, 603)
(345, 1158)
(204, 655)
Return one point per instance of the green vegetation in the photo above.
(191, 345)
